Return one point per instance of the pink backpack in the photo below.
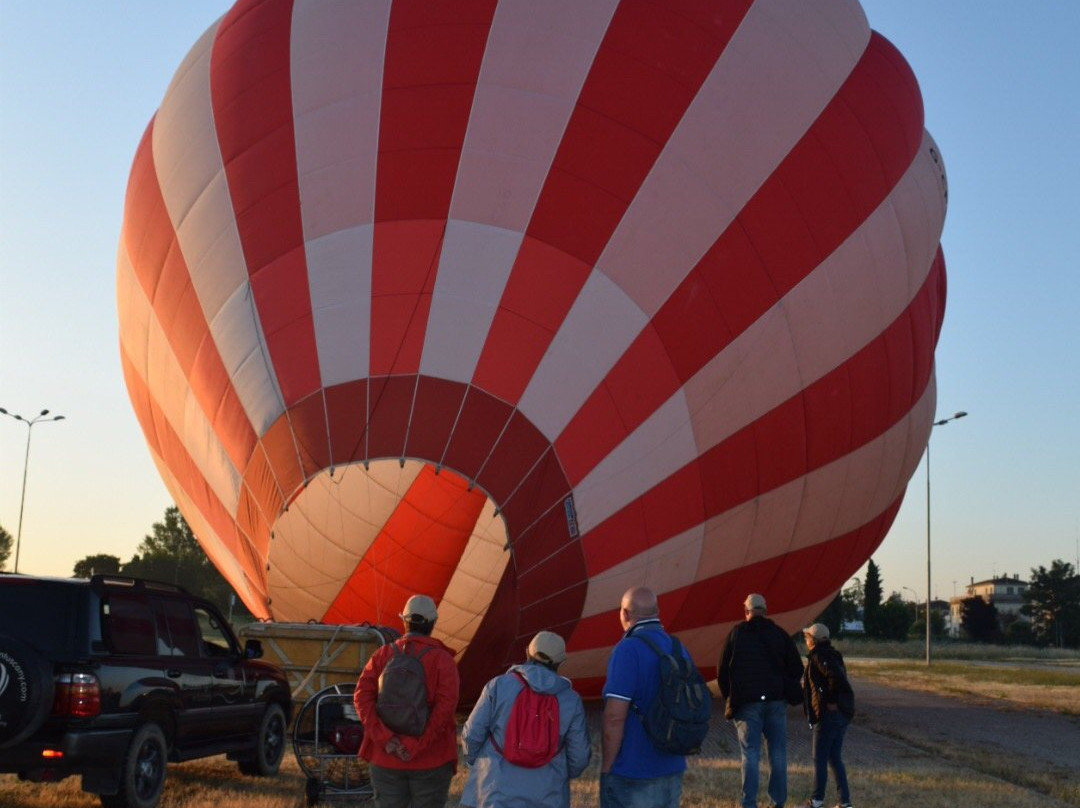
(532, 732)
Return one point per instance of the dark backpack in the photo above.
(677, 721)
(402, 703)
(532, 731)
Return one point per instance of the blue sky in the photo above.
(80, 81)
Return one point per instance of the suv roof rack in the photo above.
(138, 584)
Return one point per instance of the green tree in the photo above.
(100, 564)
(172, 554)
(853, 600)
(1052, 601)
(5, 546)
(979, 620)
(872, 599)
(892, 619)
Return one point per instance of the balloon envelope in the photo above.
(521, 304)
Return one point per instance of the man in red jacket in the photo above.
(412, 771)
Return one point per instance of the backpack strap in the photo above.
(401, 646)
(491, 735)
(676, 653)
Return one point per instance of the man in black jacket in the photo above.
(829, 704)
(757, 655)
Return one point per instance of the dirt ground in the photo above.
(893, 725)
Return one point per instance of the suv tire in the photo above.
(26, 690)
(269, 746)
(142, 774)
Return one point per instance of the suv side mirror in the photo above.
(253, 649)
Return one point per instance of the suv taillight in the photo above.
(77, 695)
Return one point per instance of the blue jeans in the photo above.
(828, 745)
(751, 721)
(617, 791)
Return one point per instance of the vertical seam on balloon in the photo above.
(408, 422)
(453, 427)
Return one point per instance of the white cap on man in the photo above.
(547, 646)
(419, 607)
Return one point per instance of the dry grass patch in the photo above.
(1040, 689)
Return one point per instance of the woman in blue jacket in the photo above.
(495, 782)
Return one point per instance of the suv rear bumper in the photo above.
(82, 751)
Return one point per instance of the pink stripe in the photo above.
(252, 102)
(636, 93)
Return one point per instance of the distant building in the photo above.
(1005, 594)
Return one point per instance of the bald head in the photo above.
(639, 603)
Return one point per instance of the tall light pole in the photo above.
(40, 417)
(942, 422)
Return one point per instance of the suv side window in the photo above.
(177, 630)
(216, 641)
(129, 625)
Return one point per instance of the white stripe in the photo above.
(473, 584)
(782, 67)
(827, 502)
(192, 178)
(832, 313)
(337, 54)
(536, 60)
(319, 541)
(144, 342)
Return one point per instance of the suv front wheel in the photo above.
(270, 745)
(142, 776)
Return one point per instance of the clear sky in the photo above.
(1001, 84)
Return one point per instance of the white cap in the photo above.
(755, 601)
(547, 646)
(419, 606)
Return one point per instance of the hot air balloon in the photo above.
(520, 304)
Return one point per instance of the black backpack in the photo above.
(677, 721)
(402, 703)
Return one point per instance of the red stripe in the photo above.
(788, 582)
(150, 243)
(418, 550)
(830, 182)
(252, 102)
(647, 71)
(167, 444)
(433, 57)
(831, 418)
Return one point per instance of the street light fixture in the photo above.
(942, 422)
(39, 418)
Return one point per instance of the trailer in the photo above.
(315, 656)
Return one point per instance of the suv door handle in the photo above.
(221, 670)
(173, 673)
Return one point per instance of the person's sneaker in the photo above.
(843, 805)
(814, 804)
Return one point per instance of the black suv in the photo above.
(110, 677)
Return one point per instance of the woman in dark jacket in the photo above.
(829, 704)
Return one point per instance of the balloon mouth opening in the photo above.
(354, 544)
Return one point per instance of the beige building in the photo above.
(1004, 593)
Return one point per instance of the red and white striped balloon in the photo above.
(519, 304)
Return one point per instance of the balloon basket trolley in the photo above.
(326, 739)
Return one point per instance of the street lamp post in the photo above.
(942, 422)
(40, 417)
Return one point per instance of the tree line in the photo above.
(1051, 608)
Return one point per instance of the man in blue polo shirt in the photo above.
(633, 772)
